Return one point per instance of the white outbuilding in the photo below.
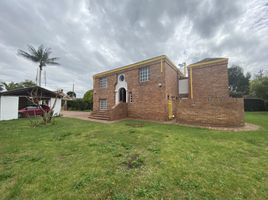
(13, 100)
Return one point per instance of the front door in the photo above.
(122, 95)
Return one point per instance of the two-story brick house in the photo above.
(154, 88)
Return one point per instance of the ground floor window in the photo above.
(103, 104)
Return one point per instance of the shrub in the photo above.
(78, 104)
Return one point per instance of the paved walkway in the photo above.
(84, 116)
(81, 115)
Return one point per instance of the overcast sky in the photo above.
(94, 36)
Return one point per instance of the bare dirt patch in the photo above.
(246, 127)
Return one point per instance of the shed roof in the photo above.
(28, 92)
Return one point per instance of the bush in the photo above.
(254, 105)
(79, 104)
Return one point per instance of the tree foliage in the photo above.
(1, 87)
(259, 87)
(238, 82)
(13, 85)
(88, 96)
(40, 55)
(71, 94)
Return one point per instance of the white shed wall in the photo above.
(183, 86)
(57, 107)
(9, 106)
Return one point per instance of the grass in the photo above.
(74, 159)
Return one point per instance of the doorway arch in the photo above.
(122, 95)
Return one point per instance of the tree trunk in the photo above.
(40, 73)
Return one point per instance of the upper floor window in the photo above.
(144, 74)
(103, 82)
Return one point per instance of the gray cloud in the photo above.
(93, 36)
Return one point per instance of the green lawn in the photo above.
(74, 159)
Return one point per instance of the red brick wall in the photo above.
(210, 80)
(104, 93)
(171, 84)
(210, 105)
(215, 111)
(149, 99)
(119, 111)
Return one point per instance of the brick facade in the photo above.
(149, 99)
(210, 80)
(217, 111)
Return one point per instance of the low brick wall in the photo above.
(119, 111)
(216, 111)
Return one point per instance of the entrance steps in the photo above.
(100, 115)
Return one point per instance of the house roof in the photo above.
(138, 64)
(27, 92)
(207, 61)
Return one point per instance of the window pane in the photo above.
(103, 82)
(144, 74)
(103, 104)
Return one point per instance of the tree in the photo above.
(35, 98)
(238, 82)
(88, 96)
(259, 87)
(12, 85)
(41, 56)
(71, 94)
(27, 83)
(1, 87)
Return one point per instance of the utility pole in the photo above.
(73, 86)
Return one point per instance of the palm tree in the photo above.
(11, 86)
(1, 87)
(41, 56)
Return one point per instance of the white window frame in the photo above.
(144, 74)
(103, 82)
(103, 104)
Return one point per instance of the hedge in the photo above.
(255, 104)
(78, 104)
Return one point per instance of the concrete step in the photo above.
(99, 117)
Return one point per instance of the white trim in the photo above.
(120, 84)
